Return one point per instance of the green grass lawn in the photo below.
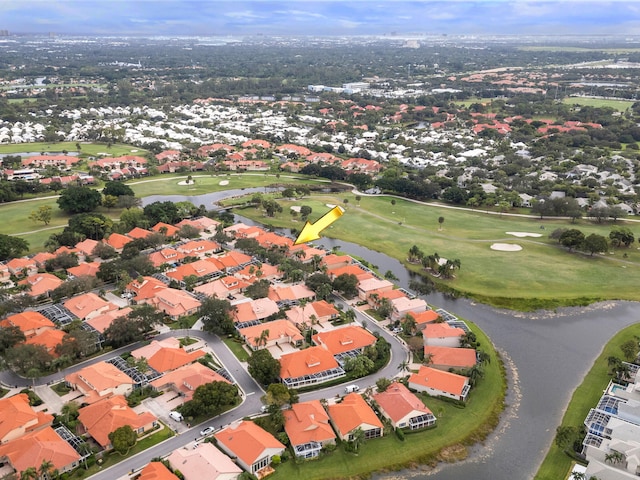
(92, 149)
(456, 428)
(620, 105)
(557, 464)
(237, 348)
(542, 274)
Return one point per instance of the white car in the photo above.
(206, 431)
(351, 388)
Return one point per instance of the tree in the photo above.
(9, 337)
(165, 212)
(133, 327)
(595, 243)
(572, 238)
(359, 366)
(320, 283)
(133, 217)
(305, 211)
(567, 437)
(117, 189)
(109, 201)
(45, 468)
(278, 394)
(12, 247)
(42, 214)
(382, 384)
(403, 366)
(188, 231)
(440, 222)
(629, 349)
(347, 284)
(259, 289)
(104, 251)
(30, 473)
(263, 367)
(216, 315)
(76, 199)
(91, 225)
(621, 236)
(615, 457)
(122, 439)
(356, 439)
(28, 359)
(211, 399)
(77, 343)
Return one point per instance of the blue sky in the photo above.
(329, 17)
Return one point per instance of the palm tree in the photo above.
(262, 340)
(483, 357)
(403, 366)
(357, 438)
(408, 324)
(45, 468)
(29, 474)
(475, 374)
(428, 359)
(615, 457)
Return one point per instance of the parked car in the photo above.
(351, 388)
(206, 431)
(177, 416)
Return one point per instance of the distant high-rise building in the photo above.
(4, 33)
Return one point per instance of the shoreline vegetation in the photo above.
(458, 427)
(557, 464)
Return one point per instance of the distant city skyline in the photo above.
(328, 17)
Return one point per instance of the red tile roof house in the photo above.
(137, 233)
(102, 322)
(200, 268)
(199, 248)
(41, 161)
(166, 229)
(312, 313)
(17, 418)
(290, 295)
(353, 413)
(98, 381)
(146, 289)
(223, 287)
(21, 267)
(440, 384)
(49, 339)
(85, 248)
(203, 462)
(157, 471)
(310, 366)
(442, 335)
(368, 286)
(84, 270)
(41, 259)
(278, 332)
(88, 305)
(253, 447)
(444, 358)
(403, 305)
(424, 318)
(117, 241)
(345, 342)
(29, 322)
(35, 447)
(164, 358)
(174, 303)
(253, 312)
(403, 409)
(169, 256)
(105, 416)
(168, 155)
(184, 380)
(308, 428)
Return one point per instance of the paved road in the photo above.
(251, 391)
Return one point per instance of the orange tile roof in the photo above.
(206, 461)
(87, 304)
(17, 417)
(102, 322)
(199, 247)
(146, 289)
(439, 380)
(294, 292)
(186, 379)
(166, 255)
(307, 422)
(84, 270)
(41, 257)
(451, 357)
(222, 287)
(156, 471)
(233, 259)
(86, 246)
(266, 271)
(175, 303)
(441, 330)
(349, 270)
(167, 359)
(351, 413)
(302, 315)
(41, 283)
(16, 265)
(306, 362)
(138, 232)
(199, 268)
(345, 339)
(31, 449)
(50, 339)
(278, 329)
(258, 309)
(398, 402)
(247, 441)
(170, 229)
(428, 316)
(109, 414)
(28, 321)
(333, 259)
(97, 378)
(117, 240)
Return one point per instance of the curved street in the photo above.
(251, 391)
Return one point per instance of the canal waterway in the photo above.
(547, 354)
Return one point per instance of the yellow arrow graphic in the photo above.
(311, 231)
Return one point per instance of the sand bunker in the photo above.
(296, 208)
(184, 182)
(224, 182)
(524, 234)
(330, 205)
(506, 247)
